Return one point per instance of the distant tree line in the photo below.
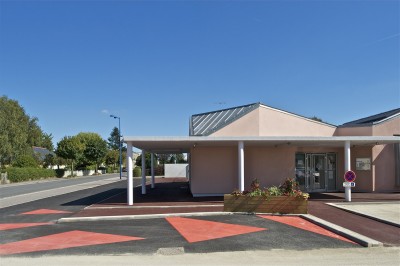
(19, 133)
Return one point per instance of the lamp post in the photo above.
(119, 138)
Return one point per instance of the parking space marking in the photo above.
(300, 223)
(44, 211)
(20, 225)
(194, 230)
(61, 241)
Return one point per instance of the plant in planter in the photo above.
(287, 198)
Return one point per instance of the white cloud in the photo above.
(105, 111)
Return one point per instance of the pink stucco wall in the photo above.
(247, 125)
(269, 165)
(214, 170)
(265, 121)
(383, 157)
(278, 123)
(354, 131)
(388, 128)
(364, 181)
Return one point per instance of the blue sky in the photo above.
(155, 63)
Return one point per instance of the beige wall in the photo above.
(265, 121)
(383, 157)
(247, 125)
(381, 178)
(364, 180)
(278, 123)
(384, 168)
(214, 170)
(270, 165)
(354, 131)
(388, 128)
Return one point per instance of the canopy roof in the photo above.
(177, 144)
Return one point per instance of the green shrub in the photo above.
(25, 161)
(137, 171)
(274, 191)
(60, 172)
(110, 170)
(16, 174)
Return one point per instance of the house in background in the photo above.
(229, 148)
(41, 152)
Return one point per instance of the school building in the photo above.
(229, 148)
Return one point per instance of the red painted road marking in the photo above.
(304, 225)
(44, 211)
(20, 225)
(63, 240)
(194, 230)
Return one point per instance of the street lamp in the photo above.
(119, 138)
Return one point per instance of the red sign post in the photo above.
(349, 177)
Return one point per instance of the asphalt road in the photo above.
(15, 189)
(151, 236)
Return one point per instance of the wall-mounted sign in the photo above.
(363, 163)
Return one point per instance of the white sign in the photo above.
(363, 163)
(349, 184)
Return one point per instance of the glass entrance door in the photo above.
(316, 172)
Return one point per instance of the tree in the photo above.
(95, 150)
(112, 158)
(19, 132)
(47, 141)
(13, 130)
(315, 118)
(164, 158)
(35, 133)
(70, 148)
(171, 158)
(113, 140)
(180, 158)
(147, 160)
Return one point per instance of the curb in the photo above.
(356, 237)
(137, 217)
(364, 215)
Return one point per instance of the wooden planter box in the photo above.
(273, 204)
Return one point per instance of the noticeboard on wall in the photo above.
(363, 163)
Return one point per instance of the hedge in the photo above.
(15, 174)
(137, 171)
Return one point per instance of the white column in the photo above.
(347, 167)
(143, 172)
(347, 160)
(129, 172)
(152, 170)
(241, 165)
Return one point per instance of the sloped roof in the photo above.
(42, 152)
(207, 123)
(374, 119)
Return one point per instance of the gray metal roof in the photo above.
(42, 152)
(207, 123)
(374, 119)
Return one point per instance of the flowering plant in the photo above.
(289, 188)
